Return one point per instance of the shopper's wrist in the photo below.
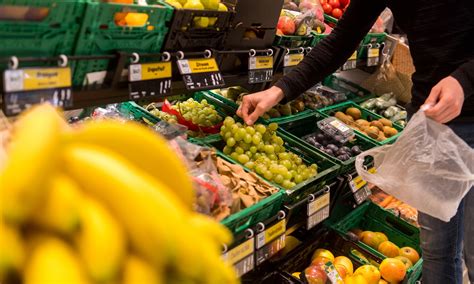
(277, 93)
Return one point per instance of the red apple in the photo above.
(286, 25)
(315, 275)
(334, 3)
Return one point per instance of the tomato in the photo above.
(334, 3)
(323, 2)
(337, 13)
(327, 8)
(344, 3)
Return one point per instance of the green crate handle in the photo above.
(401, 226)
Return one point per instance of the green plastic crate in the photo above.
(372, 217)
(308, 125)
(353, 91)
(100, 35)
(369, 116)
(235, 106)
(371, 38)
(137, 112)
(53, 35)
(327, 170)
(293, 41)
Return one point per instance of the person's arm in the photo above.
(447, 98)
(333, 51)
(324, 59)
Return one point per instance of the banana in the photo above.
(209, 226)
(60, 211)
(148, 212)
(32, 157)
(12, 251)
(143, 148)
(137, 271)
(101, 242)
(52, 261)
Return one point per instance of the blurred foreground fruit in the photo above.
(392, 270)
(370, 273)
(346, 262)
(355, 279)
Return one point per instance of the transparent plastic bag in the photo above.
(429, 167)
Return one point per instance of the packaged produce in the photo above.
(386, 106)
(321, 96)
(99, 201)
(390, 203)
(301, 19)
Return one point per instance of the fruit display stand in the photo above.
(371, 217)
(42, 28)
(308, 125)
(293, 41)
(353, 91)
(366, 115)
(108, 28)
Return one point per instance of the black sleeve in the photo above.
(334, 50)
(465, 76)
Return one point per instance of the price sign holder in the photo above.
(270, 239)
(359, 188)
(200, 73)
(25, 87)
(241, 254)
(351, 63)
(291, 60)
(373, 54)
(318, 209)
(150, 79)
(260, 67)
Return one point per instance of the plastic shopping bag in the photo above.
(429, 167)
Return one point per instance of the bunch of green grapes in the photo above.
(199, 113)
(164, 116)
(261, 150)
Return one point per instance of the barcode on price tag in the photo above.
(373, 56)
(200, 73)
(362, 194)
(25, 87)
(270, 249)
(317, 217)
(260, 69)
(150, 80)
(271, 233)
(241, 256)
(318, 203)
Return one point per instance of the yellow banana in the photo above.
(101, 242)
(143, 148)
(60, 210)
(137, 271)
(148, 213)
(52, 261)
(32, 157)
(209, 226)
(12, 251)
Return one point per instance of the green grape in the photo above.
(260, 128)
(227, 150)
(273, 157)
(304, 175)
(256, 156)
(268, 175)
(274, 169)
(244, 146)
(248, 138)
(224, 128)
(242, 132)
(234, 156)
(256, 139)
(243, 158)
(287, 184)
(269, 149)
(250, 165)
(238, 136)
(227, 135)
(253, 149)
(261, 147)
(267, 137)
(278, 179)
(239, 124)
(231, 142)
(249, 154)
(301, 168)
(234, 128)
(293, 173)
(260, 169)
(292, 184)
(239, 150)
(298, 161)
(288, 176)
(298, 178)
(250, 130)
(273, 126)
(287, 164)
(314, 166)
(280, 141)
(283, 156)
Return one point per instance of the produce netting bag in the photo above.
(429, 167)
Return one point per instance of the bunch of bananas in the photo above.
(108, 202)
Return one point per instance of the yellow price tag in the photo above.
(293, 59)
(261, 62)
(374, 52)
(199, 65)
(318, 204)
(240, 252)
(29, 79)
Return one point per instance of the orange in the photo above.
(410, 253)
(405, 261)
(381, 236)
(369, 272)
(355, 279)
(392, 270)
(381, 281)
(371, 239)
(324, 253)
(346, 262)
(389, 249)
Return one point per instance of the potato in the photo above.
(377, 124)
(386, 122)
(354, 113)
(389, 131)
(373, 132)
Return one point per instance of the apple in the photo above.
(346, 262)
(406, 261)
(324, 253)
(355, 279)
(369, 272)
(389, 249)
(315, 275)
(320, 261)
(393, 270)
(342, 270)
(410, 253)
(334, 3)
(286, 25)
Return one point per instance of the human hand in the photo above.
(445, 100)
(255, 105)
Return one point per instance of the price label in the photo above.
(317, 217)
(318, 204)
(26, 87)
(290, 61)
(373, 56)
(357, 183)
(351, 63)
(150, 80)
(340, 126)
(271, 233)
(241, 256)
(332, 273)
(270, 250)
(200, 74)
(362, 195)
(260, 69)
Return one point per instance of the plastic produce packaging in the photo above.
(429, 167)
